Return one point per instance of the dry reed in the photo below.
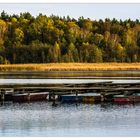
(70, 67)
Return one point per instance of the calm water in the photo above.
(72, 74)
(41, 119)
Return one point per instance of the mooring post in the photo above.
(50, 96)
(76, 92)
(2, 96)
(28, 98)
(102, 98)
(13, 92)
(76, 95)
(23, 91)
(53, 100)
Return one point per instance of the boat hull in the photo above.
(122, 100)
(91, 99)
(80, 98)
(70, 99)
(127, 99)
(30, 97)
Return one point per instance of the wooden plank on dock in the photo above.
(82, 88)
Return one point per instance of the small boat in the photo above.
(85, 98)
(122, 99)
(70, 98)
(27, 97)
(91, 98)
(8, 94)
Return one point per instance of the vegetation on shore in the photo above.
(70, 67)
(52, 39)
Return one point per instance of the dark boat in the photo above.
(84, 98)
(69, 98)
(8, 94)
(122, 99)
(27, 97)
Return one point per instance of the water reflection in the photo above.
(71, 74)
(41, 119)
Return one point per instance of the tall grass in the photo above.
(70, 67)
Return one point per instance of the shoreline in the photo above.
(50, 67)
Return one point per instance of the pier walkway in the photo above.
(103, 88)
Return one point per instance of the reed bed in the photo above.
(70, 67)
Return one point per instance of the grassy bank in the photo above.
(70, 67)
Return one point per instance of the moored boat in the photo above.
(27, 97)
(122, 99)
(91, 98)
(85, 98)
(70, 98)
(8, 97)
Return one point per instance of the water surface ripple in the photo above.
(41, 119)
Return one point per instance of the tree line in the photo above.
(46, 39)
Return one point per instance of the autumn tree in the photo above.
(44, 39)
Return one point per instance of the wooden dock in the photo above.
(105, 89)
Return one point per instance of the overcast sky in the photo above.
(93, 11)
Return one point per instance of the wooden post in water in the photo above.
(23, 91)
(13, 91)
(2, 96)
(53, 100)
(76, 92)
(50, 96)
(76, 95)
(102, 98)
(28, 98)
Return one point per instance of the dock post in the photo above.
(50, 96)
(28, 98)
(53, 99)
(76, 95)
(76, 92)
(23, 91)
(2, 96)
(13, 92)
(102, 98)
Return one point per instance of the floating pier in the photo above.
(77, 92)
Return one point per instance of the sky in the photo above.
(90, 10)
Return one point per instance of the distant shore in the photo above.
(71, 67)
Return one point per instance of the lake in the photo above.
(42, 119)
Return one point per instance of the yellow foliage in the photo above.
(3, 28)
(19, 35)
(13, 20)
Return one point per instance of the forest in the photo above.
(53, 39)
